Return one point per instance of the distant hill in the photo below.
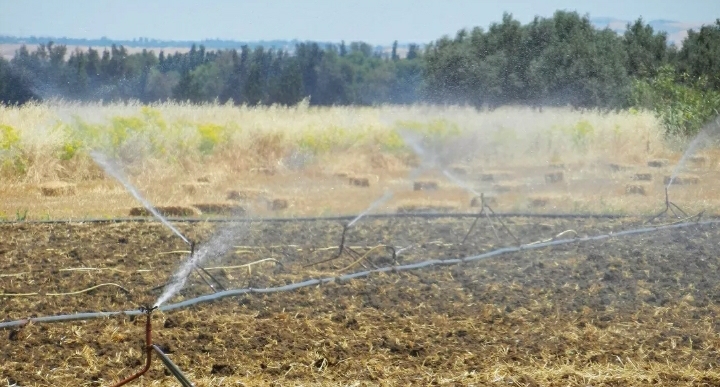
(210, 44)
(151, 43)
(9, 44)
(676, 30)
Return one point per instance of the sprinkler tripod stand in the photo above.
(343, 248)
(483, 208)
(149, 348)
(669, 206)
(199, 270)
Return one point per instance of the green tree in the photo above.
(700, 54)
(413, 52)
(14, 90)
(683, 103)
(160, 85)
(289, 87)
(187, 90)
(583, 67)
(646, 50)
(394, 55)
(255, 90)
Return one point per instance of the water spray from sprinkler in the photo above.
(342, 246)
(706, 133)
(216, 246)
(109, 166)
(384, 198)
(700, 139)
(485, 209)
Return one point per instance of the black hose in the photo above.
(422, 215)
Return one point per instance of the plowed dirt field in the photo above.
(625, 311)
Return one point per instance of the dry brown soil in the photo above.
(625, 311)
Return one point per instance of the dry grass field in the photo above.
(325, 161)
(626, 310)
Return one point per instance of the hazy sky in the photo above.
(373, 21)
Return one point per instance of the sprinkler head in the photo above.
(147, 310)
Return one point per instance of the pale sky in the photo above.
(372, 21)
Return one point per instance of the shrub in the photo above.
(211, 135)
(682, 103)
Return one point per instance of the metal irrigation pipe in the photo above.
(361, 274)
(172, 367)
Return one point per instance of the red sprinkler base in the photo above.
(148, 348)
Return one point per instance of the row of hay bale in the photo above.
(232, 209)
(642, 188)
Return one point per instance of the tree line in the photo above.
(561, 60)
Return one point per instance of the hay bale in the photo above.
(460, 170)
(504, 188)
(554, 177)
(58, 188)
(244, 194)
(658, 163)
(264, 171)
(379, 161)
(426, 207)
(203, 179)
(341, 175)
(477, 201)
(682, 180)
(492, 176)
(698, 160)
(193, 188)
(487, 177)
(539, 202)
(278, 204)
(359, 181)
(220, 208)
(619, 167)
(635, 189)
(643, 176)
(164, 211)
(425, 185)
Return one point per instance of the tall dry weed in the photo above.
(171, 138)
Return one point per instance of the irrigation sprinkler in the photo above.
(149, 348)
(556, 241)
(483, 207)
(199, 270)
(669, 206)
(355, 255)
(341, 246)
(112, 169)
